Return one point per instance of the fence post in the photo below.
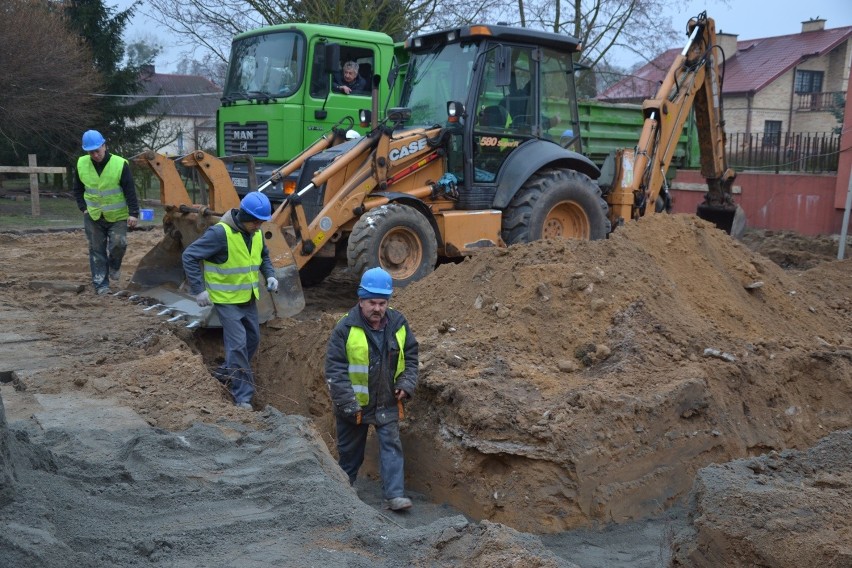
(36, 206)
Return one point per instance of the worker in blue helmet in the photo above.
(223, 269)
(370, 369)
(106, 195)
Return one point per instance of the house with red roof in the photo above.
(789, 83)
(186, 109)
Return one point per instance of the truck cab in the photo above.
(278, 99)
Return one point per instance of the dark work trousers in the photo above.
(351, 443)
(107, 244)
(241, 334)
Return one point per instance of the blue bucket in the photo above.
(146, 214)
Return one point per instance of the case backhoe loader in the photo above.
(471, 159)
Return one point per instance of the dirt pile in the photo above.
(563, 384)
(786, 509)
(569, 383)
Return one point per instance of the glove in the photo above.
(272, 284)
(203, 299)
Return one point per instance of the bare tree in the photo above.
(46, 78)
(210, 25)
(607, 28)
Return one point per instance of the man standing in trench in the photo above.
(106, 194)
(231, 253)
(370, 368)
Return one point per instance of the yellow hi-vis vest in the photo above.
(103, 194)
(358, 355)
(236, 280)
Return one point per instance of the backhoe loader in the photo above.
(471, 159)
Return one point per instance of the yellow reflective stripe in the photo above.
(217, 268)
(104, 192)
(400, 363)
(113, 207)
(231, 287)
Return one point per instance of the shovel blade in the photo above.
(289, 300)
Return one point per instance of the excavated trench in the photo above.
(565, 385)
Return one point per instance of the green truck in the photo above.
(278, 100)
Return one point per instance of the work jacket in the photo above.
(236, 280)
(103, 193)
(363, 367)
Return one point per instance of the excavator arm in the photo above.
(693, 82)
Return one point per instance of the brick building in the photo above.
(790, 83)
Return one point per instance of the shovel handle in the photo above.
(400, 408)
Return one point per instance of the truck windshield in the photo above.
(434, 78)
(265, 65)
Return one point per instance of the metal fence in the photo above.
(807, 152)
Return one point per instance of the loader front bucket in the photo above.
(162, 265)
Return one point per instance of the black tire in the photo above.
(397, 238)
(316, 270)
(556, 203)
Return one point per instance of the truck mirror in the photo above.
(332, 57)
(503, 64)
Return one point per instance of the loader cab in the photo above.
(516, 85)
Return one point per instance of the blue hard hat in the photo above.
(257, 205)
(92, 140)
(375, 283)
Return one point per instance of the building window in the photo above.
(771, 132)
(808, 81)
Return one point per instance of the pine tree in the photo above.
(119, 109)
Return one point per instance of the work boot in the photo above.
(399, 503)
(114, 275)
(102, 291)
(247, 406)
(223, 375)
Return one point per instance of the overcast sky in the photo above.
(751, 19)
(748, 19)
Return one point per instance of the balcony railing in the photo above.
(820, 101)
(810, 152)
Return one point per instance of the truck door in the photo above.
(325, 105)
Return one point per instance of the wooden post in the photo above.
(33, 172)
(36, 206)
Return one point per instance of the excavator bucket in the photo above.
(730, 218)
(719, 208)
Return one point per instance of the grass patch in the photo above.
(58, 211)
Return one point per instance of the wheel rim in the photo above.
(401, 253)
(566, 220)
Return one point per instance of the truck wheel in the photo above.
(556, 203)
(316, 270)
(397, 238)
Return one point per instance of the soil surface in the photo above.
(573, 400)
